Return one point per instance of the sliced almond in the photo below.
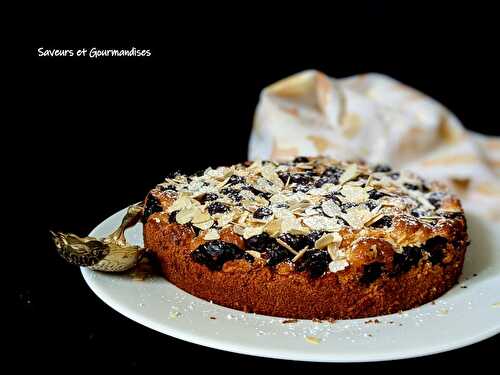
(254, 253)
(179, 204)
(299, 255)
(239, 229)
(273, 227)
(185, 215)
(357, 216)
(200, 217)
(319, 222)
(205, 225)
(349, 174)
(326, 239)
(374, 219)
(355, 194)
(252, 231)
(225, 218)
(286, 246)
(330, 208)
(212, 234)
(338, 265)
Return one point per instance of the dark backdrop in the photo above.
(99, 133)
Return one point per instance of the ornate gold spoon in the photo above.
(110, 254)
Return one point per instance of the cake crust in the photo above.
(371, 269)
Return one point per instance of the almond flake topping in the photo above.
(252, 231)
(311, 194)
(212, 234)
(349, 174)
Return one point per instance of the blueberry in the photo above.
(196, 230)
(409, 257)
(345, 206)
(276, 254)
(301, 188)
(333, 172)
(435, 247)
(370, 205)
(234, 179)
(417, 212)
(173, 174)
(334, 197)
(436, 198)
(314, 262)
(326, 180)
(382, 168)
(296, 242)
(256, 191)
(385, 221)
(300, 179)
(394, 175)
(234, 194)
(301, 159)
(283, 176)
(208, 197)
(375, 194)
(171, 217)
(311, 238)
(453, 215)
(371, 272)
(214, 254)
(410, 186)
(248, 258)
(151, 206)
(262, 212)
(217, 208)
(168, 187)
(260, 242)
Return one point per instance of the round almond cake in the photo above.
(314, 238)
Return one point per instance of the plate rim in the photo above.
(213, 342)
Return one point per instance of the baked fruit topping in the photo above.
(348, 226)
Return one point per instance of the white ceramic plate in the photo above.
(468, 313)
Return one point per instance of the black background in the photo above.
(98, 134)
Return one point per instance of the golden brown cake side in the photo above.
(287, 293)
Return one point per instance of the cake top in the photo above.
(305, 204)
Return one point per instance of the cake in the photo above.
(313, 238)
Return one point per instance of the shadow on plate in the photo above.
(479, 259)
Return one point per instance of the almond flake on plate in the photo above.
(312, 340)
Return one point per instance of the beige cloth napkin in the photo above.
(377, 119)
